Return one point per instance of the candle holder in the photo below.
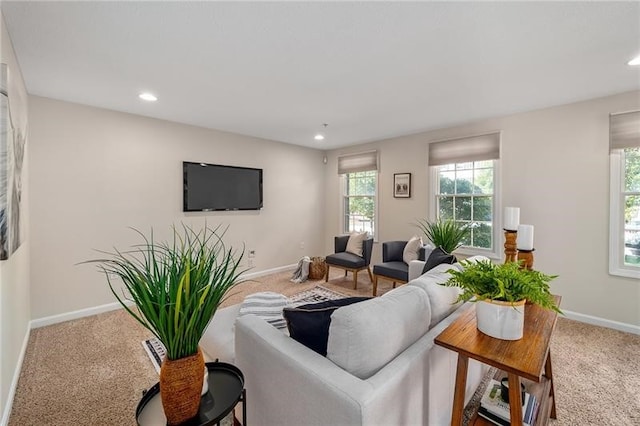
(526, 256)
(510, 245)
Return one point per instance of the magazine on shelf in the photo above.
(493, 408)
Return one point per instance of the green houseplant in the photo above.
(176, 288)
(445, 234)
(501, 291)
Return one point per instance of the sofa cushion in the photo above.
(437, 257)
(354, 244)
(411, 250)
(397, 270)
(364, 337)
(266, 305)
(441, 299)
(309, 324)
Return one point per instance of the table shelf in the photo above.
(540, 390)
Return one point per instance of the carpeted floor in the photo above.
(92, 371)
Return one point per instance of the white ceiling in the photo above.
(372, 70)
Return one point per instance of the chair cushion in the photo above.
(365, 336)
(347, 260)
(354, 244)
(397, 270)
(309, 324)
(411, 250)
(437, 257)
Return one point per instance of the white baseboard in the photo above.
(14, 382)
(589, 319)
(268, 272)
(67, 316)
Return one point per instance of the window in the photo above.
(464, 183)
(464, 193)
(359, 191)
(631, 194)
(360, 201)
(624, 234)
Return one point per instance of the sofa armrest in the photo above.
(287, 382)
(217, 340)
(415, 269)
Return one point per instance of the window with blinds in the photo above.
(359, 173)
(624, 235)
(463, 187)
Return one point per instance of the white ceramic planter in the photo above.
(502, 320)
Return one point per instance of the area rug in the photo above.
(156, 351)
(314, 295)
(474, 402)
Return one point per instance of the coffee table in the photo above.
(226, 389)
(527, 358)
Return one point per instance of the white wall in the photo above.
(96, 172)
(555, 167)
(14, 272)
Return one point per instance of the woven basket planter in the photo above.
(317, 268)
(181, 387)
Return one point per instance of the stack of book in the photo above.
(495, 410)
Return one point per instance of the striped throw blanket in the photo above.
(266, 305)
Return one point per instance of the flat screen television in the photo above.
(210, 187)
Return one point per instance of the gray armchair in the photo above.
(393, 267)
(349, 261)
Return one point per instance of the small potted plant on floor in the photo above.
(176, 288)
(501, 291)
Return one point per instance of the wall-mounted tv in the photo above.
(209, 187)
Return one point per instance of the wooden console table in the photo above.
(527, 358)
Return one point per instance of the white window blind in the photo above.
(463, 150)
(362, 162)
(624, 130)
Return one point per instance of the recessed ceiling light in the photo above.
(147, 97)
(320, 136)
(634, 61)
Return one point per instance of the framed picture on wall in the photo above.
(402, 185)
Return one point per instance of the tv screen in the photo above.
(210, 187)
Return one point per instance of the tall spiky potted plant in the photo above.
(176, 288)
(446, 234)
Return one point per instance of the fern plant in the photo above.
(177, 286)
(507, 282)
(445, 234)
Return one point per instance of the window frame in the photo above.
(616, 218)
(344, 197)
(494, 253)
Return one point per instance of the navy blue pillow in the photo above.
(437, 257)
(309, 324)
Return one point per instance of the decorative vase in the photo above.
(181, 387)
(502, 320)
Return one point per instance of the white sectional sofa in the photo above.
(382, 367)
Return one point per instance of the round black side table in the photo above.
(226, 389)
